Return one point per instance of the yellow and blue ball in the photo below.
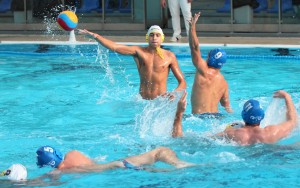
(67, 20)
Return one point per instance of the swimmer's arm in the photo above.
(198, 62)
(291, 112)
(178, 74)
(277, 132)
(225, 102)
(177, 126)
(119, 48)
(50, 178)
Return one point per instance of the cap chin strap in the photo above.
(159, 52)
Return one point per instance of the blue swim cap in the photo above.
(252, 112)
(47, 155)
(217, 57)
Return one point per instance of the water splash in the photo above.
(52, 27)
(275, 113)
(157, 118)
(72, 38)
(103, 59)
(227, 157)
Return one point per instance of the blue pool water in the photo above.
(86, 98)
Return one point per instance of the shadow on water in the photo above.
(43, 48)
(282, 52)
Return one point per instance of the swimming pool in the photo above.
(86, 98)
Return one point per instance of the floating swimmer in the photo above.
(249, 132)
(153, 62)
(210, 86)
(74, 161)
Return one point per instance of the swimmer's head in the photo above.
(155, 29)
(252, 112)
(15, 172)
(216, 58)
(48, 156)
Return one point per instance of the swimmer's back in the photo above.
(75, 159)
(248, 135)
(208, 92)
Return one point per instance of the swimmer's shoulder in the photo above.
(168, 52)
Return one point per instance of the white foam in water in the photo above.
(226, 157)
(275, 113)
(157, 118)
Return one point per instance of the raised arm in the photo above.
(277, 132)
(198, 62)
(177, 126)
(119, 48)
(178, 74)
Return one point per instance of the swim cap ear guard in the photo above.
(48, 156)
(252, 112)
(155, 29)
(217, 57)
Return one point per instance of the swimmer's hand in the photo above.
(171, 96)
(194, 19)
(87, 33)
(181, 105)
(281, 94)
(229, 109)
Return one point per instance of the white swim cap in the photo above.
(155, 29)
(17, 172)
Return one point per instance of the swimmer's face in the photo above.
(155, 39)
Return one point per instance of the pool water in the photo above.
(86, 98)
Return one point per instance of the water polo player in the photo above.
(252, 115)
(210, 86)
(153, 62)
(74, 161)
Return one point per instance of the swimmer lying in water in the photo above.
(75, 162)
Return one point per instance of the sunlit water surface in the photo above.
(86, 98)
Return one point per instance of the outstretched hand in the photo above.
(87, 33)
(194, 18)
(280, 94)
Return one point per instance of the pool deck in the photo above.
(133, 37)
